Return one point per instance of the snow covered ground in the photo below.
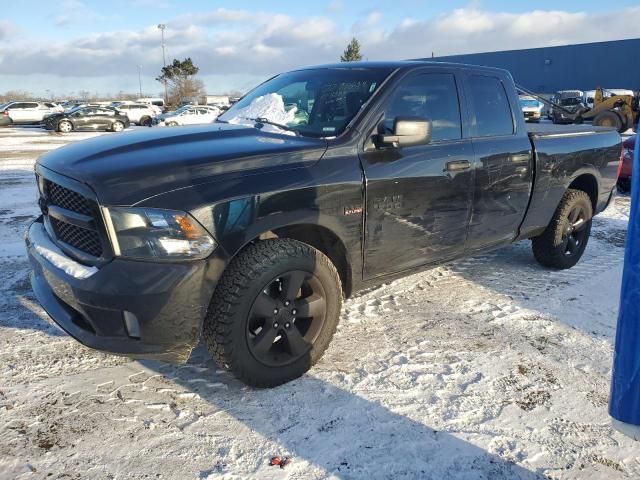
(490, 367)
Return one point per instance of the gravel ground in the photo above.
(490, 367)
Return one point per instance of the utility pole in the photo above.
(162, 27)
(140, 79)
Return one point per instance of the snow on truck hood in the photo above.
(128, 167)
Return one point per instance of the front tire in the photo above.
(563, 242)
(609, 118)
(65, 126)
(274, 312)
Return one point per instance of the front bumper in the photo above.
(132, 308)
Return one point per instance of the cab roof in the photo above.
(398, 64)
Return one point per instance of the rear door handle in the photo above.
(457, 165)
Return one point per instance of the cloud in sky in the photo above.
(6, 30)
(232, 44)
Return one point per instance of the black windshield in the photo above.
(317, 102)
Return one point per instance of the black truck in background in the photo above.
(251, 231)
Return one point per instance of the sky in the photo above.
(64, 46)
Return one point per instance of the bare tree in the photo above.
(13, 95)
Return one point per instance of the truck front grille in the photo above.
(86, 240)
(65, 198)
(65, 227)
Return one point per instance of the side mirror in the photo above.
(407, 132)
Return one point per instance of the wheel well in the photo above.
(588, 184)
(322, 239)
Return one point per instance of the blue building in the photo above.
(584, 66)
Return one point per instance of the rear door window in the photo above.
(493, 116)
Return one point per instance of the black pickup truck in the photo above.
(318, 183)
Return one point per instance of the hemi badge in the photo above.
(352, 210)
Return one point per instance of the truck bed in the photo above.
(561, 154)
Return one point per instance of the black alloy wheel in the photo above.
(576, 231)
(274, 312)
(563, 242)
(286, 318)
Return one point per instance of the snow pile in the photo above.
(269, 106)
(45, 247)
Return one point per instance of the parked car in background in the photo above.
(138, 113)
(89, 117)
(531, 108)
(5, 120)
(54, 107)
(190, 115)
(570, 100)
(156, 102)
(26, 112)
(69, 104)
(160, 118)
(626, 165)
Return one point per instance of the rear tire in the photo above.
(610, 118)
(624, 185)
(563, 242)
(117, 126)
(252, 327)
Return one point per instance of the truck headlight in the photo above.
(151, 233)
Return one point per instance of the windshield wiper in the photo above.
(261, 121)
(220, 121)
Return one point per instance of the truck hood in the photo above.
(127, 168)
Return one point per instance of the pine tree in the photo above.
(352, 52)
(180, 78)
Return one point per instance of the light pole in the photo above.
(162, 27)
(140, 79)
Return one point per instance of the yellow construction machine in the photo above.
(618, 111)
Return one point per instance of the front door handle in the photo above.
(520, 158)
(457, 165)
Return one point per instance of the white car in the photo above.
(55, 107)
(531, 108)
(156, 103)
(191, 115)
(27, 112)
(138, 113)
